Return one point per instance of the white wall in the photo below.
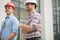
(47, 19)
(2, 10)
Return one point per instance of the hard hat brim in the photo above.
(10, 6)
(29, 2)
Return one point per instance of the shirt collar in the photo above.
(31, 14)
(8, 16)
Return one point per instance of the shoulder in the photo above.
(37, 15)
(14, 19)
(27, 17)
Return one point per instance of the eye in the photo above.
(28, 4)
(8, 7)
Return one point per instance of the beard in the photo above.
(28, 9)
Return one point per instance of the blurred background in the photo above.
(49, 10)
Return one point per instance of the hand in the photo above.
(23, 31)
(21, 25)
(37, 26)
(8, 39)
(25, 28)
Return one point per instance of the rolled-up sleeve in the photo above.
(15, 24)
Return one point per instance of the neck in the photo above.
(9, 14)
(31, 11)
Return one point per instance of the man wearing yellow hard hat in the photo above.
(9, 27)
(32, 25)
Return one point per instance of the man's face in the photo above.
(8, 10)
(30, 6)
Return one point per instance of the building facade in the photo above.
(50, 11)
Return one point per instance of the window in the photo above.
(56, 19)
(22, 0)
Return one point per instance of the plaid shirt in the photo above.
(31, 20)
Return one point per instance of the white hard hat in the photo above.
(30, 1)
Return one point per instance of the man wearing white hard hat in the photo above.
(32, 25)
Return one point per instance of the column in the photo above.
(2, 10)
(47, 19)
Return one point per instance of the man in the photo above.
(32, 25)
(9, 28)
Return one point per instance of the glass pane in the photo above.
(54, 16)
(54, 12)
(58, 3)
(59, 28)
(16, 4)
(59, 23)
(23, 13)
(22, 0)
(38, 9)
(22, 5)
(54, 4)
(59, 12)
(55, 28)
(54, 19)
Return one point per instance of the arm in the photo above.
(11, 36)
(27, 28)
(14, 30)
(2, 27)
(34, 25)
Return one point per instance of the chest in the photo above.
(29, 19)
(7, 23)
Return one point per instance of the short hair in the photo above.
(34, 4)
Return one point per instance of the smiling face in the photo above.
(8, 10)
